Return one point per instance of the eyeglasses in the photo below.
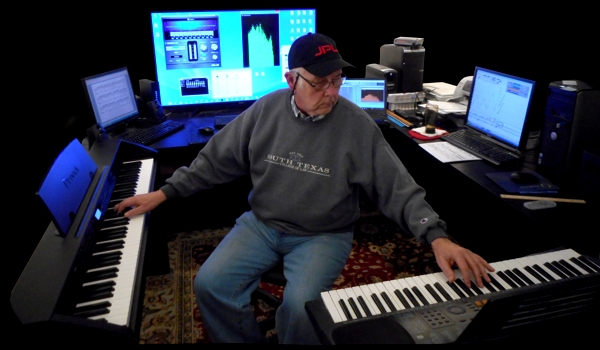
(324, 85)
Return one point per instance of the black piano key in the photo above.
(378, 303)
(105, 260)
(354, 307)
(388, 301)
(91, 292)
(556, 270)
(496, 284)
(103, 247)
(488, 286)
(543, 272)
(345, 309)
(433, 293)
(402, 299)
(444, 293)
(589, 263)
(100, 275)
(98, 259)
(111, 235)
(410, 296)
(92, 310)
(114, 222)
(464, 287)
(515, 278)
(506, 279)
(570, 267)
(582, 265)
(420, 295)
(457, 290)
(523, 277)
(103, 294)
(475, 289)
(130, 182)
(364, 305)
(535, 274)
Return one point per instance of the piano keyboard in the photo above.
(110, 280)
(402, 294)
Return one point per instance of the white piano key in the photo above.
(367, 293)
(520, 266)
(390, 288)
(405, 285)
(375, 290)
(330, 304)
(418, 283)
(441, 278)
(397, 286)
(344, 296)
(358, 292)
(430, 280)
(350, 293)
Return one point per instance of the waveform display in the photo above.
(260, 48)
(261, 40)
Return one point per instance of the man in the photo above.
(308, 152)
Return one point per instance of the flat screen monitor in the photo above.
(111, 98)
(222, 60)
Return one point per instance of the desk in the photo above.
(479, 219)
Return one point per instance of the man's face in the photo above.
(308, 99)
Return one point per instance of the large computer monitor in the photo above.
(209, 60)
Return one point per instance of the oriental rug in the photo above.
(381, 251)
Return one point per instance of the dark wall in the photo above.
(48, 109)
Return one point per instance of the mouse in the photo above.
(207, 130)
(524, 178)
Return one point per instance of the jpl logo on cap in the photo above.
(324, 48)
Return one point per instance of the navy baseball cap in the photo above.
(317, 53)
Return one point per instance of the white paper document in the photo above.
(446, 152)
(448, 107)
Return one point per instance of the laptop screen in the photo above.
(367, 93)
(499, 107)
(111, 97)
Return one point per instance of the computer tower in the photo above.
(571, 127)
(409, 63)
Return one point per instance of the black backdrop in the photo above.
(46, 104)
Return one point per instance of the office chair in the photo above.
(273, 276)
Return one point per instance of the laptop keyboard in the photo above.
(155, 132)
(481, 147)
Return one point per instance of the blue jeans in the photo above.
(225, 282)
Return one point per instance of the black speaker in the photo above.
(149, 90)
(571, 127)
(409, 62)
(149, 104)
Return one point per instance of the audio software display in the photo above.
(220, 59)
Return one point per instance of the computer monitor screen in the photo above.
(111, 97)
(499, 106)
(224, 59)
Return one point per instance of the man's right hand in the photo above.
(141, 203)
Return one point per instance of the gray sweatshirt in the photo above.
(306, 175)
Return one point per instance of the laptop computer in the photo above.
(496, 117)
(370, 94)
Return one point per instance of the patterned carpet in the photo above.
(381, 252)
